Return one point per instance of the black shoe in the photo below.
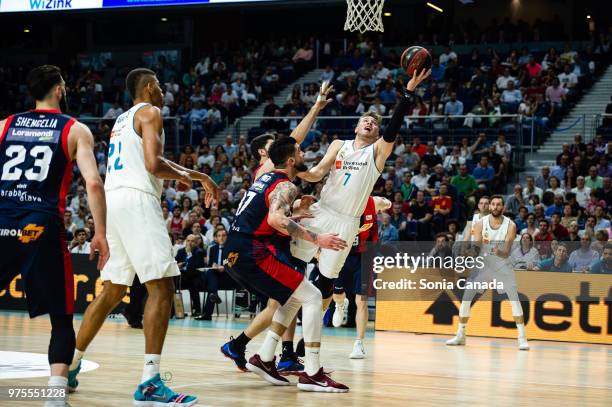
(195, 314)
(214, 298)
(136, 324)
(203, 318)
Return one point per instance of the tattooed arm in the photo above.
(280, 201)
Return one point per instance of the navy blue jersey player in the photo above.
(37, 149)
(260, 264)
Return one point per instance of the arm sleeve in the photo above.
(398, 117)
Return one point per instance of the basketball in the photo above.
(414, 59)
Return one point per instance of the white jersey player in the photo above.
(355, 166)
(137, 234)
(493, 237)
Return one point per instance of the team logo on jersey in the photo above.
(31, 233)
(338, 164)
(232, 258)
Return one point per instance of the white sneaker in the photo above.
(458, 340)
(358, 350)
(523, 344)
(338, 317)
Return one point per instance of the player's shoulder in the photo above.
(147, 113)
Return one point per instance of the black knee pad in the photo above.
(325, 285)
(63, 340)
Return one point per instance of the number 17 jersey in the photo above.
(35, 164)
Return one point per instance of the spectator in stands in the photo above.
(543, 238)
(398, 219)
(442, 205)
(531, 188)
(215, 277)
(408, 188)
(515, 201)
(447, 55)
(555, 96)
(467, 185)
(483, 172)
(568, 80)
(453, 161)
(422, 214)
(582, 192)
(533, 67)
(558, 171)
(386, 231)
(573, 232)
(603, 265)
(589, 227)
(554, 186)
(69, 226)
(388, 95)
(114, 112)
(601, 222)
(511, 98)
(582, 258)
(454, 107)
(421, 179)
(79, 244)
(525, 256)
(531, 227)
(557, 263)
(327, 75)
(604, 169)
(503, 81)
(593, 181)
(437, 70)
(430, 158)
(189, 259)
(559, 231)
(605, 192)
(521, 218)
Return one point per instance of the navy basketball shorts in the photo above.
(352, 279)
(33, 244)
(262, 267)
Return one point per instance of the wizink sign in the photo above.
(48, 5)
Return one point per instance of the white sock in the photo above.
(151, 366)
(461, 329)
(59, 381)
(268, 347)
(521, 330)
(311, 360)
(78, 355)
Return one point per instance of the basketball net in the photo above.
(364, 15)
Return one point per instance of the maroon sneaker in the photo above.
(320, 382)
(267, 371)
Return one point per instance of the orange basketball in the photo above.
(414, 59)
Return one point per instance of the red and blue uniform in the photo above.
(35, 176)
(352, 275)
(258, 255)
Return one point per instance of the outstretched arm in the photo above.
(280, 205)
(316, 173)
(384, 146)
(302, 129)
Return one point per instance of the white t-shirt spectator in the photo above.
(382, 74)
(191, 194)
(380, 109)
(230, 98)
(237, 74)
(206, 159)
(504, 150)
(201, 67)
(165, 111)
(168, 98)
(214, 115)
(568, 80)
(197, 98)
(536, 191)
(85, 249)
(511, 96)
(502, 81)
(522, 260)
(420, 181)
(327, 76)
(582, 196)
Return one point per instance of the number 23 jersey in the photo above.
(35, 164)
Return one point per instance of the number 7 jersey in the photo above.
(350, 180)
(35, 163)
(125, 167)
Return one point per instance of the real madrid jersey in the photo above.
(125, 167)
(350, 180)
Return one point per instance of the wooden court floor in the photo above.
(400, 370)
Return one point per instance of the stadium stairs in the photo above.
(593, 102)
(279, 99)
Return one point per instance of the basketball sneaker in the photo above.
(237, 356)
(358, 350)
(320, 382)
(267, 371)
(154, 393)
(458, 340)
(289, 365)
(523, 344)
(339, 313)
(73, 383)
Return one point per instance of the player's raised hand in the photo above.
(324, 92)
(330, 241)
(99, 245)
(417, 78)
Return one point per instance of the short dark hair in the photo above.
(281, 150)
(133, 81)
(79, 230)
(42, 79)
(260, 142)
(497, 197)
(220, 230)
